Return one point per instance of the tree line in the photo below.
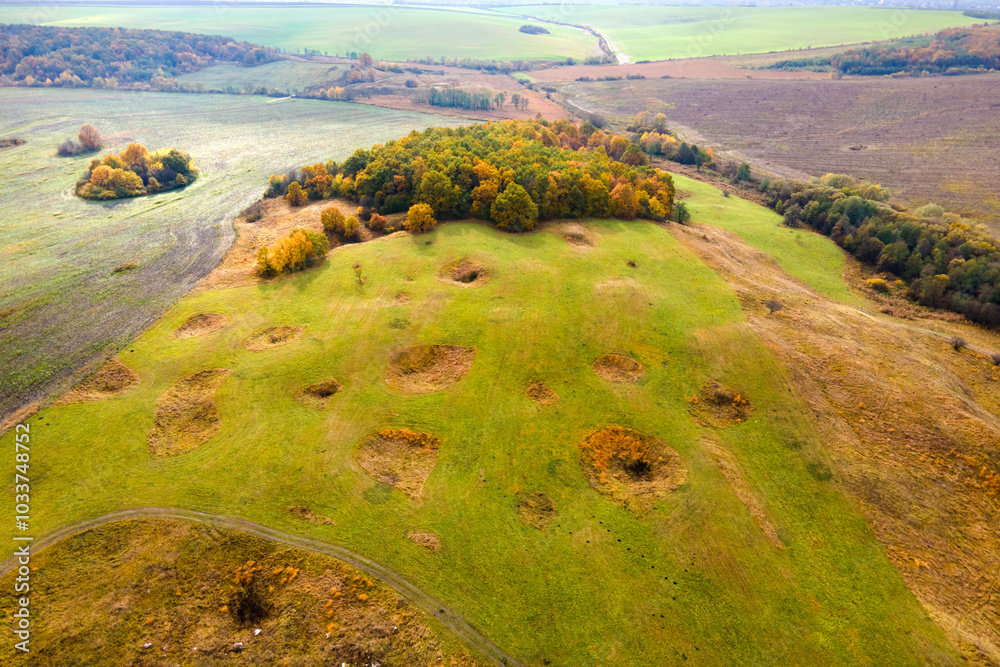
(33, 55)
(135, 172)
(951, 51)
(512, 173)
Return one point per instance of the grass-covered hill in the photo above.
(586, 450)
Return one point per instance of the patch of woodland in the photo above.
(135, 172)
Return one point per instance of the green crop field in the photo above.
(388, 32)
(285, 75)
(658, 33)
(60, 304)
(694, 578)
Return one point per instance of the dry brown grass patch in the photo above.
(400, 458)
(536, 509)
(718, 404)
(265, 339)
(303, 512)
(201, 324)
(421, 369)
(465, 272)
(577, 235)
(186, 415)
(541, 394)
(633, 468)
(113, 379)
(426, 540)
(616, 368)
(319, 394)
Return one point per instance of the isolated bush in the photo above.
(681, 213)
(69, 148)
(420, 218)
(995, 358)
(377, 223)
(300, 249)
(333, 220)
(352, 230)
(958, 343)
(773, 306)
(930, 211)
(878, 285)
(90, 138)
(296, 196)
(411, 83)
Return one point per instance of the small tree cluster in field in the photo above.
(512, 173)
(90, 141)
(347, 229)
(135, 171)
(297, 251)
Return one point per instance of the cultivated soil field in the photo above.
(575, 438)
(928, 139)
(384, 31)
(62, 306)
(657, 33)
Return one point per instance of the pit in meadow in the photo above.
(265, 339)
(113, 379)
(536, 509)
(400, 458)
(633, 468)
(541, 394)
(616, 368)
(186, 416)
(201, 324)
(319, 394)
(421, 369)
(465, 272)
(719, 405)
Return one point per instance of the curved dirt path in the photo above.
(422, 599)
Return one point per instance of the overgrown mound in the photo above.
(400, 458)
(465, 272)
(536, 509)
(421, 369)
(320, 393)
(265, 339)
(186, 415)
(113, 379)
(633, 468)
(201, 324)
(541, 394)
(616, 368)
(426, 540)
(721, 405)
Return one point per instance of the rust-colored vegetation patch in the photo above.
(633, 468)
(401, 299)
(201, 324)
(616, 368)
(113, 379)
(184, 593)
(719, 405)
(536, 509)
(265, 339)
(426, 540)
(186, 415)
(319, 394)
(577, 235)
(541, 394)
(306, 514)
(465, 272)
(400, 458)
(421, 369)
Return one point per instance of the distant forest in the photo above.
(112, 57)
(952, 51)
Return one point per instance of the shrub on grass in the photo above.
(958, 343)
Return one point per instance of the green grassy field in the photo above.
(693, 579)
(286, 75)
(384, 31)
(60, 303)
(658, 33)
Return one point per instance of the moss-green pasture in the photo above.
(658, 33)
(693, 579)
(385, 31)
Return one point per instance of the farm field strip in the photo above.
(658, 32)
(385, 31)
